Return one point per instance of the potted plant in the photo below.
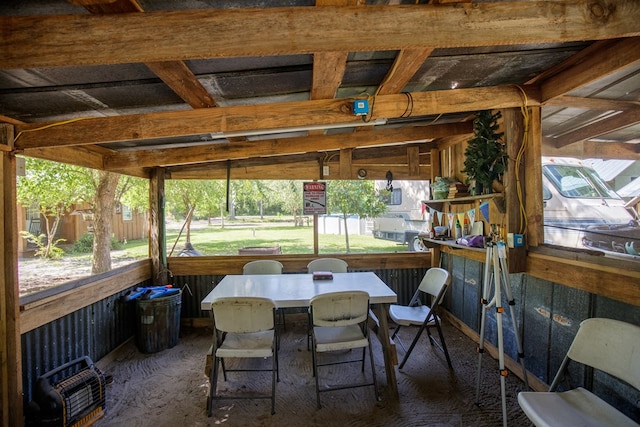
(486, 154)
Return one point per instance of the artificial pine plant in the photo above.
(486, 154)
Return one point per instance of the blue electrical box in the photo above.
(518, 240)
(361, 107)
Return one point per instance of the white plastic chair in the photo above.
(433, 286)
(334, 265)
(244, 327)
(607, 345)
(266, 266)
(339, 322)
(263, 266)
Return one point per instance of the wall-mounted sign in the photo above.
(314, 198)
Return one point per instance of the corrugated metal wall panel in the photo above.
(194, 289)
(548, 316)
(92, 331)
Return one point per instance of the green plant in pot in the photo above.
(486, 154)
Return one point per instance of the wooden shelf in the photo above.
(449, 246)
(498, 199)
(432, 243)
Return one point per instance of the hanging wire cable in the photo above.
(409, 108)
(50, 125)
(372, 98)
(525, 139)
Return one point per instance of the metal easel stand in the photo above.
(496, 279)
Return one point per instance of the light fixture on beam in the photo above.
(218, 135)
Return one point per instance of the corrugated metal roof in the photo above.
(630, 190)
(608, 169)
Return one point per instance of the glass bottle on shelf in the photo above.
(458, 233)
(432, 232)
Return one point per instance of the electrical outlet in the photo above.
(325, 170)
(361, 107)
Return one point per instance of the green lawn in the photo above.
(214, 240)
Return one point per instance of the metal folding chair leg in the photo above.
(441, 345)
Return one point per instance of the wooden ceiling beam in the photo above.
(405, 66)
(271, 116)
(183, 82)
(376, 160)
(108, 6)
(174, 74)
(277, 147)
(597, 61)
(328, 67)
(88, 157)
(67, 40)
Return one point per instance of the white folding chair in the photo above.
(334, 265)
(266, 266)
(606, 345)
(433, 286)
(263, 266)
(244, 327)
(339, 322)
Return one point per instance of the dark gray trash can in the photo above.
(158, 321)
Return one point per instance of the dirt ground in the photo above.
(169, 388)
(36, 274)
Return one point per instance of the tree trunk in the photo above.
(188, 223)
(102, 218)
(50, 231)
(346, 232)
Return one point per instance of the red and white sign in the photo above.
(314, 198)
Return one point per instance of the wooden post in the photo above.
(435, 164)
(346, 161)
(157, 230)
(413, 160)
(514, 185)
(11, 355)
(533, 174)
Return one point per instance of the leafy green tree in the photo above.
(290, 197)
(134, 192)
(354, 198)
(183, 197)
(214, 200)
(52, 188)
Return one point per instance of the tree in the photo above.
(213, 200)
(52, 188)
(185, 196)
(105, 186)
(291, 197)
(354, 198)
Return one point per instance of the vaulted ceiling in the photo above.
(200, 87)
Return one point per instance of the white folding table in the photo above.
(296, 290)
